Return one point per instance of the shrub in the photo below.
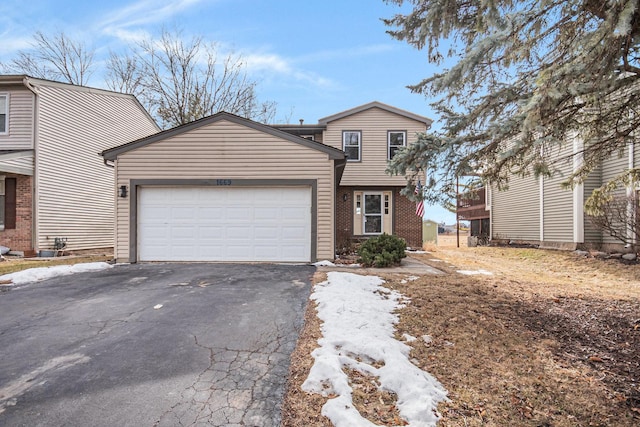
(382, 251)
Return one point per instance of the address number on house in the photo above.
(223, 182)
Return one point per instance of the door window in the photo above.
(372, 213)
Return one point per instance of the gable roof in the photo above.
(375, 104)
(33, 83)
(112, 153)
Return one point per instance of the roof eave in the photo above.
(112, 153)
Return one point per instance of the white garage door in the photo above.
(224, 224)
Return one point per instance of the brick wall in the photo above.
(344, 217)
(19, 239)
(406, 223)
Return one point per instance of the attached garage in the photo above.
(225, 188)
(224, 223)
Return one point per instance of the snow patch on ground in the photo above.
(409, 338)
(358, 330)
(475, 272)
(43, 273)
(324, 263)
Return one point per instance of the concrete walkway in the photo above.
(408, 265)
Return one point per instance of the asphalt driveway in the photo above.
(151, 345)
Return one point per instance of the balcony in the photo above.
(472, 205)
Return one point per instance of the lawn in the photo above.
(551, 339)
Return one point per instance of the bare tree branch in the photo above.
(55, 57)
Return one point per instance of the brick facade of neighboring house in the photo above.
(18, 233)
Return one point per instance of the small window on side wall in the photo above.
(396, 139)
(4, 113)
(351, 144)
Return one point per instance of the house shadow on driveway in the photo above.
(151, 344)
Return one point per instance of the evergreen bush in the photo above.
(382, 251)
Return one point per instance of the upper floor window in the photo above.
(351, 144)
(396, 139)
(4, 113)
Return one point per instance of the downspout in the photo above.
(34, 181)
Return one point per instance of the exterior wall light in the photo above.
(122, 191)
(345, 197)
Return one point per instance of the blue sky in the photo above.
(313, 58)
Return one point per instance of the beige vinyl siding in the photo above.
(75, 190)
(225, 150)
(515, 213)
(21, 116)
(593, 181)
(22, 163)
(558, 202)
(374, 124)
(613, 166)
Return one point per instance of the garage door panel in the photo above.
(293, 213)
(270, 233)
(239, 214)
(224, 224)
(267, 214)
(207, 233)
(210, 212)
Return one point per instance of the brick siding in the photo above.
(20, 238)
(406, 223)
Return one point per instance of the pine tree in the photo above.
(530, 76)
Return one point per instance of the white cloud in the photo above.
(141, 13)
(350, 52)
(10, 44)
(277, 65)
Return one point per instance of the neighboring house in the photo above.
(368, 201)
(539, 211)
(225, 188)
(53, 183)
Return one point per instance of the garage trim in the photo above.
(215, 182)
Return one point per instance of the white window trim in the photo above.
(364, 212)
(359, 144)
(6, 113)
(404, 141)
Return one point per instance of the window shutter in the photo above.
(10, 187)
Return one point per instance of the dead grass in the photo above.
(551, 339)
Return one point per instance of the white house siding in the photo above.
(21, 116)
(75, 190)
(515, 213)
(20, 163)
(374, 124)
(226, 150)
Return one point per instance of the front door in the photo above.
(372, 213)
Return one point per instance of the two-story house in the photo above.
(368, 201)
(225, 188)
(53, 184)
